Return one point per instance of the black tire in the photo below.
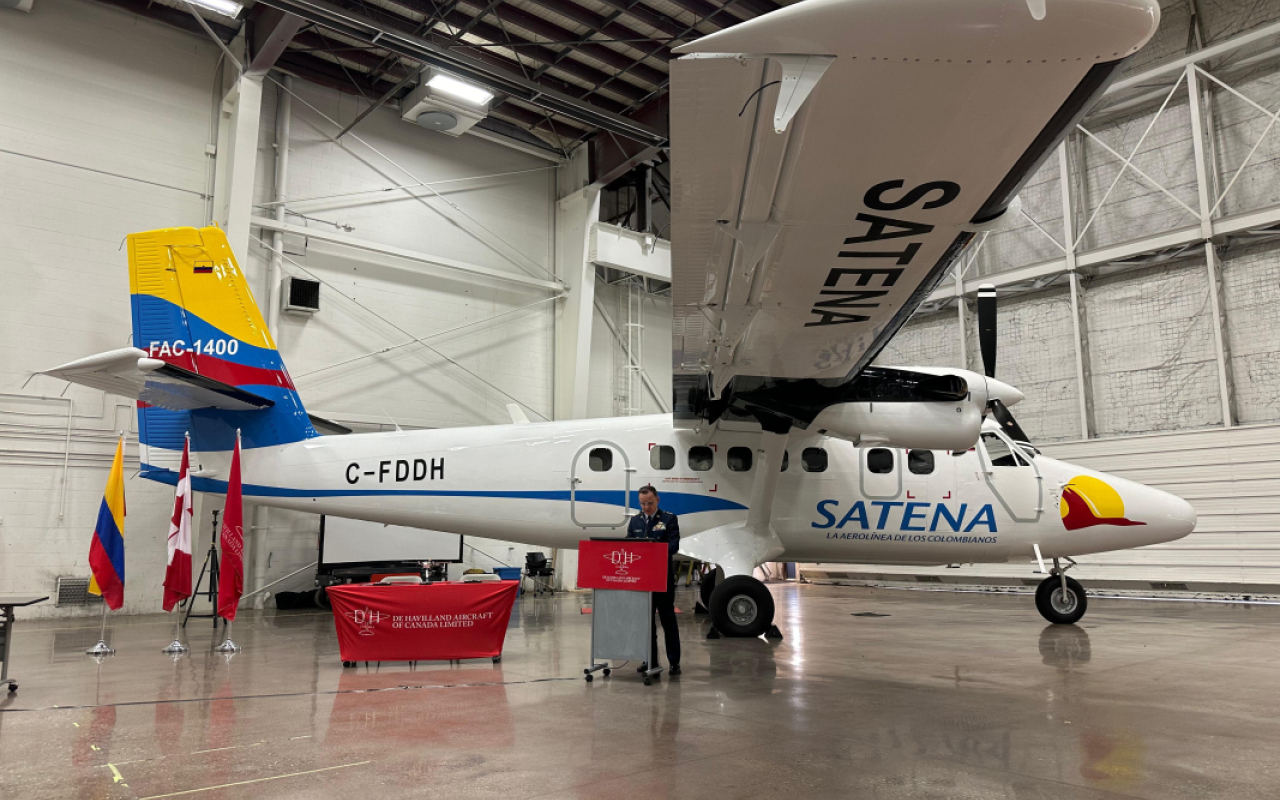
(1052, 605)
(607, 671)
(647, 681)
(590, 678)
(321, 600)
(742, 607)
(706, 586)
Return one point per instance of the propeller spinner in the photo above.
(987, 343)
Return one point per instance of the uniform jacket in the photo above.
(663, 527)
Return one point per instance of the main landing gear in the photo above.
(741, 606)
(1060, 599)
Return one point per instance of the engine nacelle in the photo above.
(927, 425)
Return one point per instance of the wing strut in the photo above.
(740, 547)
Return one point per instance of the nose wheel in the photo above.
(1061, 600)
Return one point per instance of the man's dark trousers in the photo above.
(665, 604)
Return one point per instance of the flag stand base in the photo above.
(227, 645)
(176, 646)
(101, 649)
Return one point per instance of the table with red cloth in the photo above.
(422, 622)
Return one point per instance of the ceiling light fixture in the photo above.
(227, 8)
(446, 84)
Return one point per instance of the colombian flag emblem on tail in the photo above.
(106, 552)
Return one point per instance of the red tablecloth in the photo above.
(433, 622)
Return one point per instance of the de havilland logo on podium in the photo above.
(621, 559)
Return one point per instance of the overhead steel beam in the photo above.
(272, 32)
(606, 25)
(172, 16)
(385, 36)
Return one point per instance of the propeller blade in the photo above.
(987, 327)
(1006, 421)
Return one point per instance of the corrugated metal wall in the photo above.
(1231, 476)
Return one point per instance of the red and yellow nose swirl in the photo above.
(1088, 501)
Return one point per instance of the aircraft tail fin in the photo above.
(193, 310)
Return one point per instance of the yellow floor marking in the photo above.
(255, 780)
(94, 746)
(291, 738)
(116, 777)
(77, 724)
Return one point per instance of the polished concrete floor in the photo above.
(944, 696)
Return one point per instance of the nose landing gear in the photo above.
(1060, 599)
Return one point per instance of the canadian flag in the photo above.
(177, 576)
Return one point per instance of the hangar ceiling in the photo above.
(605, 62)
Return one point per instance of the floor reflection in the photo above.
(1065, 646)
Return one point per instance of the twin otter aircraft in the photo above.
(830, 161)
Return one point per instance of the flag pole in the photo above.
(176, 647)
(101, 648)
(229, 646)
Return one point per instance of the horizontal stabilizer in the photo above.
(130, 373)
(328, 427)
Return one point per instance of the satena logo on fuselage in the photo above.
(1088, 501)
(837, 301)
(904, 521)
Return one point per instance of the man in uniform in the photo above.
(663, 526)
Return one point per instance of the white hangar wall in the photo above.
(105, 124)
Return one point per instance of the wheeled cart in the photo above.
(622, 574)
(620, 622)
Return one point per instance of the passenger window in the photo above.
(601, 459)
(739, 459)
(786, 459)
(920, 462)
(999, 453)
(813, 459)
(880, 461)
(701, 458)
(662, 457)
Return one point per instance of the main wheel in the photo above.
(741, 606)
(1061, 608)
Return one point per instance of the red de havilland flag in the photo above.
(231, 568)
(177, 575)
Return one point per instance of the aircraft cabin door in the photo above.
(1013, 477)
(600, 492)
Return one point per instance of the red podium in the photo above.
(431, 622)
(622, 574)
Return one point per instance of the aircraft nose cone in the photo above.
(1182, 517)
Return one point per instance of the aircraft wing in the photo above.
(830, 160)
(130, 373)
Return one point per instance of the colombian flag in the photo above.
(106, 552)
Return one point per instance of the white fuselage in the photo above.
(546, 484)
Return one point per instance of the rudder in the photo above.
(193, 308)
